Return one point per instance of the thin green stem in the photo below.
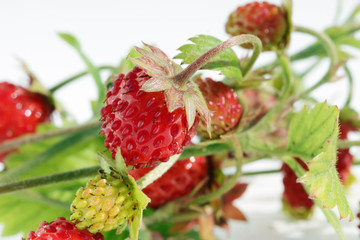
(31, 138)
(347, 144)
(206, 148)
(157, 172)
(260, 172)
(94, 71)
(287, 75)
(13, 174)
(331, 51)
(233, 180)
(182, 78)
(181, 217)
(77, 76)
(351, 84)
(48, 179)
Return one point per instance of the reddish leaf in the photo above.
(230, 211)
(235, 192)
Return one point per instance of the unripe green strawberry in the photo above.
(104, 204)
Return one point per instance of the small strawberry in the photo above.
(149, 116)
(256, 104)
(21, 111)
(223, 103)
(295, 199)
(345, 158)
(61, 229)
(267, 21)
(178, 181)
(106, 203)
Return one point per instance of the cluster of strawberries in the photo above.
(140, 125)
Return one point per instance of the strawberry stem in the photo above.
(287, 75)
(330, 48)
(350, 87)
(157, 172)
(182, 78)
(347, 144)
(48, 179)
(77, 76)
(233, 180)
(13, 174)
(36, 137)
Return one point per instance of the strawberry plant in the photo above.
(153, 161)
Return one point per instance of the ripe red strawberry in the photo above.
(21, 111)
(178, 181)
(267, 21)
(223, 103)
(140, 123)
(295, 198)
(61, 229)
(345, 158)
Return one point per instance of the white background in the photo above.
(108, 29)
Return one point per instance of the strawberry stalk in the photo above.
(48, 179)
(182, 78)
(233, 180)
(330, 48)
(13, 174)
(351, 84)
(287, 75)
(36, 137)
(77, 76)
(94, 71)
(157, 172)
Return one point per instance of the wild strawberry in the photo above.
(178, 181)
(104, 204)
(61, 229)
(21, 111)
(223, 103)
(147, 115)
(295, 199)
(267, 21)
(345, 158)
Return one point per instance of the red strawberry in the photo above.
(21, 111)
(345, 158)
(223, 103)
(178, 181)
(295, 198)
(61, 229)
(140, 123)
(267, 21)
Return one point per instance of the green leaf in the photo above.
(325, 184)
(226, 62)
(328, 213)
(314, 135)
(309, 132)
(24, 212)
(94, 71)
(125, 64)
(71, 40)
